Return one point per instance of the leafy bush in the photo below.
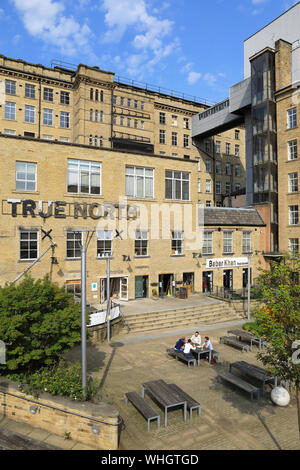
(252, 327)
(62, 379)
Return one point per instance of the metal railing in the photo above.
(235, 294)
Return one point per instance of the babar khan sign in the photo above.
(62, 209)
(226, 262)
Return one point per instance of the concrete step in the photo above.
(167, 313)
(176, 318)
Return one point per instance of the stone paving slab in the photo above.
(229, 419)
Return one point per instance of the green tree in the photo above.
(38, 323)
(278, 321)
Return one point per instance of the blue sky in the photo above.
(191, 46)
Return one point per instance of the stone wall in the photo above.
(93, 424)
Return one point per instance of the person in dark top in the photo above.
(179, 346)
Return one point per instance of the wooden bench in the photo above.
(233, 379)
(143, 407)
(190, 402)
(181, 356)
(234, 342)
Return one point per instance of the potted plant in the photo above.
(154, 294)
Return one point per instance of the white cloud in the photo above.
(210, 79)
(45, 19)
(193, 77)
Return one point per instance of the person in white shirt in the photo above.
(196, 339)
(187, 348)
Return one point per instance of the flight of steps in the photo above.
(183, 317)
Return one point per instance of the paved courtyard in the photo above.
(229, 419)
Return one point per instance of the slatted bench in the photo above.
(234, 342)
(233, 379)
(181, 356)
(143, 407)
(190, 402)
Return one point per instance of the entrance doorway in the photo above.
(188, 281)
(207, 281)
(141, 287)
(228, 279)
(245, 277)
(118, 289)
(165, 282)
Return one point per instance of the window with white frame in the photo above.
(48, 94)
(162, 118)
(104, 243)
(129, 122)
(10, 110)
(208, 204)
(64, 119)
(47, 137)
(101, 116)
(207, 247)
(186, 140)
(228, 187)
(122, 121)
(29, 90)
(136, 104)
(218, 146)
(114, 99)
(162, 136)
(174, 138)
(199, 185)
(91, 114)
(139, 182)
(237, 150)
(208, 166)
(247, 242)
(122, 101)
(293, 182)
(96, 115)
(199, 164)
(227, 242)
(9, 132)
(208, 186)
(177, 242)
(74, 242)
(218, 167)
(26, 176)
(129, 103)
(292, 150)
(141, 243)
(84, 177)
(237, 134)
(28, 244)
(293, 215)
(10, 87)
(177, 185)
(292, 118)
(218, 187)
(65, 97)
(48, 117)
(294, 245)
(142, 124)
(29, 113)
(207, 146)
(174, 120)
(186, 123)
(136, 124)
(228, 169)
(227, 148)
(142, 105)
(237, 170)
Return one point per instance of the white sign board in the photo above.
(99, 318)
(226, 263)
(94, 287)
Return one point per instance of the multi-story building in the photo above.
(267, 102)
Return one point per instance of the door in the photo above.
(124, 288)
(141, 284)
(207, 282)
(227, 282)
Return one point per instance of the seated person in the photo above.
(179, 346)
(207, 345)
(196, 339)
(187, 348)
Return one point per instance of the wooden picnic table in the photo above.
(199, 352)
(165, 396)
(256, 372)
(246, 336)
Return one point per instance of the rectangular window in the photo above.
(9, 132)
(122, 101)
(136, 104)
(29, 113)
(218, 187)
(84, 177)
(185, 140)
(162, 136)
(207, 247)
(208, 186)
(96, 115)
(294, 245)
(177, 242)
(129, 103)
(186, 123)
(218, 146)
(227, 148)
(129, 122)
(47, 137)
(227, 242)
(64, 119)
(64, 139)
(29, 90)
(293, 215)
(10, 110)
(142, 124)
(208, 166)
(247, 242)
(48, 117)
(218, 168)
(199, 164)
(292, 118)
(177, 185)
(162, 118)
(199, 185)
(174, 138)
(26, 176)
(237, 134)
(139, 182)
(208, 203)
(104, 243)
(64, 97)
(292, 150)
(136, 124)
(48, 94)
(228, 188)
(28, 244)
(141, 243)
(228, 169)
(237, 170)
(114, 99)
(121, 121)
(91, 93)
(74, 242)
(174, 120)
(207, 146)
(142, 105)
(237, 150)
(293, 182)
(10, 87)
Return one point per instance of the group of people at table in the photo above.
(185, 346)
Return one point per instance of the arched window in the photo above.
(91, 114)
